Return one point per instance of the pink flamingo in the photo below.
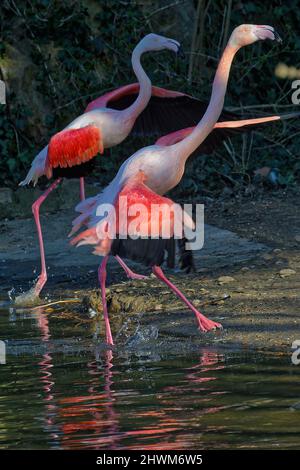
(145, 177)
(214, 140)
(107, 121)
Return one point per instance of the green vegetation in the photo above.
(57, 56)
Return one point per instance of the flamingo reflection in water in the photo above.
(65, 417)
(102, 431)
(104, 413)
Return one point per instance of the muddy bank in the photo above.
(258, 307)
(251, 287)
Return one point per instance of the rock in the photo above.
(203, 291)
(286, 272)
(158, 307)
(225, 279)
(92, 313)
(297, 238)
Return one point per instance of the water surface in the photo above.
(59, 389)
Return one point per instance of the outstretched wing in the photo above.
(222, 130)
(167, 110)
(127, 93)
(107, 100)
(144, 225)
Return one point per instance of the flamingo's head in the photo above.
(155, 42)
(246, 34)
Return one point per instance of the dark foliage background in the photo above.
(56, 56)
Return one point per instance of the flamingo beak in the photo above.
(181, 53)
(268, 32)
(277, 37)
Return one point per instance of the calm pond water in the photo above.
(59, 390)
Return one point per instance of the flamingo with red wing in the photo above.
(138, 109)
(145, 177)
(72, 151)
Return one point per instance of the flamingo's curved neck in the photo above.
(187, 146)
(145, 84)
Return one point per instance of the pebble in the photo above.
(204, 291)
(158, 307)
(92, 313)
(286, 272)
(225, 279)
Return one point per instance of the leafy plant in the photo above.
(57, 56)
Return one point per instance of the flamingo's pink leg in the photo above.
(130, 274)
(102, 280)
(82, 190)
(204, 323)
(36, 213)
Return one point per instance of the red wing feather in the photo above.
(136, 194)
(133, 217)
(128, 209)
(73, 146)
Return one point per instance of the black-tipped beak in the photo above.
(277, 37)
(289, 116)
(181, 53)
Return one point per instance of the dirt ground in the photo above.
(271, 217)
(248, 277)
